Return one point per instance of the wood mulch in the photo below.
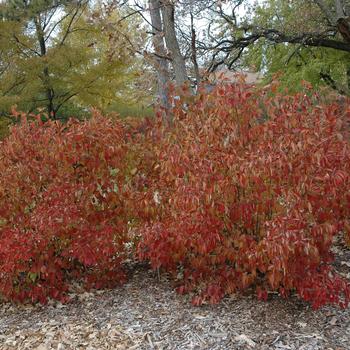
(146, 313)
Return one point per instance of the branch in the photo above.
(79, 5)
(25, 46)
(14, 85)
(275, 36)
(49, 16)
(55, 26)
(331, 82)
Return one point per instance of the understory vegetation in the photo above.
(246, 189)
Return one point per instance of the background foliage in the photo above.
(57, 55)
(295, 62)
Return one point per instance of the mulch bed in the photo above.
(146, 313)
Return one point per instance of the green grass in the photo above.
(131, 110)
(4, 127)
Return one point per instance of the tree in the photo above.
(162, 14)
(174, 44)
(161, 62)
(290, 34)
(178, 61)
(54, 55)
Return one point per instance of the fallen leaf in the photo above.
(333, 321)
(243, 338)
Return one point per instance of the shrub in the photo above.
(242, 191)
(63, 195)
(249, 192)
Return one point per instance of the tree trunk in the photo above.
(194, 54)
(178, 62)
(46, 74)
(339, 9)
(343, 26)
(162, 66)
(348, 80)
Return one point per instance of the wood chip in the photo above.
(147, 314)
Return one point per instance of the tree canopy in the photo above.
(307, 40)
(58, 55)
(67, 56)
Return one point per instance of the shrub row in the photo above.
(242, 191)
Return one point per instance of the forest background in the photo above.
(119, 56)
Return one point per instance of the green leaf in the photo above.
(33, 276)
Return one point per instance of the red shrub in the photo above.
(238, 202)
(241, 191)
(62, 207)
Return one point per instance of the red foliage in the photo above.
(239, 201)
(62, 207)
(242, 191)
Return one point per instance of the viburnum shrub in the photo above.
(63, 207)
(249, 191)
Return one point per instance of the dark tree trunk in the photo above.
(46, 73)
(194, 54)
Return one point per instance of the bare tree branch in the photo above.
(80, 7)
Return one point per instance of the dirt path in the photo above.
(148, 314)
